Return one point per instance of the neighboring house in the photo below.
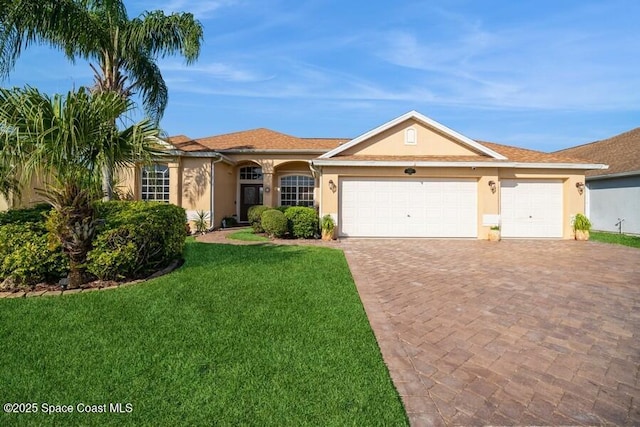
(613, 195)
(410, 177)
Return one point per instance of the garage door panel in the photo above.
(408, 208)
(531, 208)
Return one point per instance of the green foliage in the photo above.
(229, 221)
(616, 238)
(327, 224)
(27, 255)
(283, 209)
(302, 221)
(581, 222)
(495, 228)
(254, 215)
(247, 235)
(34, 214)
(202, 221)
(137, 239)
(274, 223)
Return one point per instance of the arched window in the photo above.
(155, 183)
(296, 190)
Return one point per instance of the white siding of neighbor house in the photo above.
(614, 199)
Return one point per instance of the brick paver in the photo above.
(512, 333)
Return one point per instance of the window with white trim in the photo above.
(155, 183)
(410, 137)
(296, 190)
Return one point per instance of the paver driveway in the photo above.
(510, 333)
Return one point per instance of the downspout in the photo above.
(316, 173)
(212, 196)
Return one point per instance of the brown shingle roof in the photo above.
(255, 139)
(621, 153)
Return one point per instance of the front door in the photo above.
(250, 195)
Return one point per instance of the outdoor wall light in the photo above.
(492, 185)
(409, 171)
(267, 189)
(580, 187)
(332, 186)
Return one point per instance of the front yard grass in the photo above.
(240, 335)
(619, 239)
(247, 234)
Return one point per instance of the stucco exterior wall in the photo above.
(429, 142)
(614, 199)
(225, 186)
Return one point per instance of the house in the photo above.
(409, 177)
(613, 195)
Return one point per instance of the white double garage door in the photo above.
(374, 207)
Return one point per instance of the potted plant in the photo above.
(327, 225)
(201, 222)
(494, 233)
(581, 227)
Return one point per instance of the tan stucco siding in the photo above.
(225, 190)
(429, 142)
(128, 183)
(195, 194)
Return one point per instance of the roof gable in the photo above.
(620, 152)
(432, 138)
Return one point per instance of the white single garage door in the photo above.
(531, 208)
(408, 207)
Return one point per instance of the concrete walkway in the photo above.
(510, 333)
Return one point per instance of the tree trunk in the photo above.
(76, 274)
(107, 179)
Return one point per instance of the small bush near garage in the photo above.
(274, 222)
(254, 215)
(27, 255)
(302, 222)
(137, 239)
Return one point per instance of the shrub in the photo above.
(254, 215)
(581, 222)
(229, 221)
(28, 255)
(327, 224)
(137, 239)
(283, 209)
(302, 221)
(274, 223)
(22, 216)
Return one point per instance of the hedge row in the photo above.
(136, 239)
(298, 221)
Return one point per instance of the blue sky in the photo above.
(540, 74)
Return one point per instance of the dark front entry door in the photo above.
(250, 195)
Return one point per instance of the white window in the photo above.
(155, 183)
(296, 190)
(251, 173)
(410, 137)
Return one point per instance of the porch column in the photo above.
(175, 196)
(268, 190)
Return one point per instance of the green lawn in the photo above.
(240, 335)
(620, 239)
(248, 235)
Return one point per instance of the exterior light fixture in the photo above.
(267, 189)
(492, 185)
(409, 171)
(580, 187)
(332, 186)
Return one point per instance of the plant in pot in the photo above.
(581, 227)
(494, 233)
(328, 225)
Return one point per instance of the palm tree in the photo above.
(72, 138)
(122, 52)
